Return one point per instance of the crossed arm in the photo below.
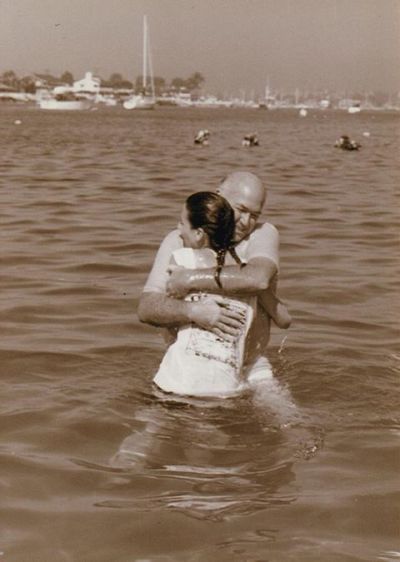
(251, 279)
(160, 309)
(211, 314)
(164, 306)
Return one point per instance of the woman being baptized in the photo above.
(198, 362)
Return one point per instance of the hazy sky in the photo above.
(235, 44)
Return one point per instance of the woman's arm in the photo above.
(249, 280)
(261, 256)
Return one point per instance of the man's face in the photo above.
(189, 235)
(247, 205)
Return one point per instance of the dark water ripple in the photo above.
(309, 470)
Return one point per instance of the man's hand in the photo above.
(178, 285)
(213, 314)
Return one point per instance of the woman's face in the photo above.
(192, 237)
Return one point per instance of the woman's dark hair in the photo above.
(215, 216)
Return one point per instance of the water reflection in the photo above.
(220, 457)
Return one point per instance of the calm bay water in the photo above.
(308, 472)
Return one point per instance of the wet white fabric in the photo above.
(199, 363)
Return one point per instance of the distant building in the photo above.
(89, 84)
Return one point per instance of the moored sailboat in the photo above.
(144, 100)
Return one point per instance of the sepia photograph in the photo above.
(199, 283)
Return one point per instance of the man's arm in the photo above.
(157, 309)
(275, 308)
(154, 306)
(211, 313)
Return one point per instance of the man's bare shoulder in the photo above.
(262, 230)
(263, 242)
(265, 228)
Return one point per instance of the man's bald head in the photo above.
(245, 183)
(247, 195)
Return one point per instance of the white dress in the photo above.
(199, 363)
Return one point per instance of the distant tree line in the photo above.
(28, 83)
(191, 84)
(116, 80)
(24, 84)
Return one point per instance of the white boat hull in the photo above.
(139, 102)
(354, 109)
(71, 105)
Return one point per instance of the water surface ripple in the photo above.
(94, 465)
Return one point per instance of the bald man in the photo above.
(257, 245)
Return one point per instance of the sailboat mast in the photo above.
(144, 73)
